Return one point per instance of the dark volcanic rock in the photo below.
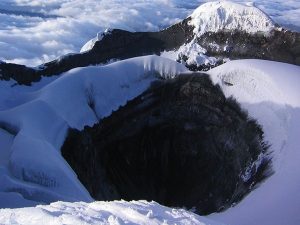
(181, 143)
(282, 46)
(20, 73)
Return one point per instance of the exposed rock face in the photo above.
(20, 73)
(181, 143)
(283, 46)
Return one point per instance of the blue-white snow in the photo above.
(34, 122)
(270, 93)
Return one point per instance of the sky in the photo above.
(37, 31)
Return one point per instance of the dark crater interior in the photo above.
(180, 143)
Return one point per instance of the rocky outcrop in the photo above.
(181, 143)
(282, 46)
(19, 73)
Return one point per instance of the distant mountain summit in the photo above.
(215, 17)
(225, 15)
(214, 33)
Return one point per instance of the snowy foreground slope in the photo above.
(35, 120)
(113, 213)
(270, 92)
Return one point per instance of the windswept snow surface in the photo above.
(225, 15)
(270, 92)
(34, 122)
(108, 213)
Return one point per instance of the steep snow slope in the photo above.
(35, 121)
(108, 213)
(270, 92)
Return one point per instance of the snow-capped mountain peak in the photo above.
(225, 15)
(90, 44)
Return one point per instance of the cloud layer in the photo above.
(36, 31)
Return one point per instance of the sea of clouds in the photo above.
(36, 31)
